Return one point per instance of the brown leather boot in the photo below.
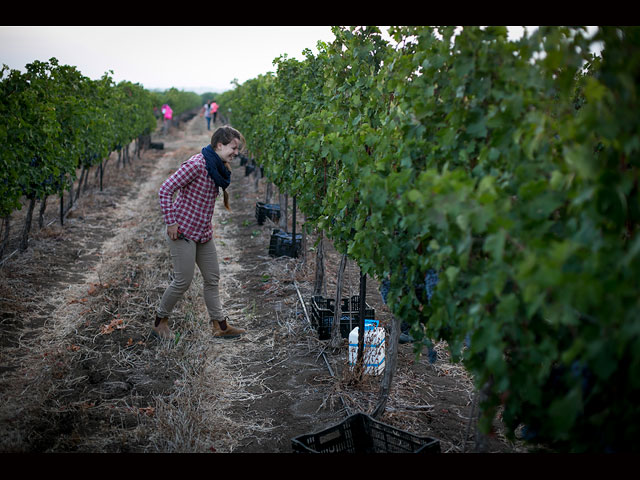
(224, 330)
(161, 328)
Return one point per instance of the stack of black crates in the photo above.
(281, 244)
(267, 210)
(322, 315)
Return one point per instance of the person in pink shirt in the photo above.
(168, 115)
(214, 111)
(197, 183)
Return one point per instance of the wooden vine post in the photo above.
(336, 339)
(362, 303)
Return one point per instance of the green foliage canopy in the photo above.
(53, 120)
(510, 168)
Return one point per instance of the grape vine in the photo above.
(509, 168)
(55, 121)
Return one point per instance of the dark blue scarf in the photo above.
(220, 174)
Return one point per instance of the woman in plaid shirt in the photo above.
(189, 232)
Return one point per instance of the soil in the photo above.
(80, 370)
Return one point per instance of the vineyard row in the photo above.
(509, 168)
(56, 123)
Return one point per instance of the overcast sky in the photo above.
(205, 58)
(195, 58)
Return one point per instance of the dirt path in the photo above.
(81, 372)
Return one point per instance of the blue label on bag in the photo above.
(370, 365)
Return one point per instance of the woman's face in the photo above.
(228, 151)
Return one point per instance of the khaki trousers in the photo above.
(185, 255)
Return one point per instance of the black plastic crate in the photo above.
(359, 433)
(322, 314)
(267, 210)
(281, 244)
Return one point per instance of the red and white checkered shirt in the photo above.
(193, 207)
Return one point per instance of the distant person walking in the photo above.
(189, 232)
(207, 114)
(168, 115)
(214, 111)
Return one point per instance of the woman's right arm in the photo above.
(187, 172)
